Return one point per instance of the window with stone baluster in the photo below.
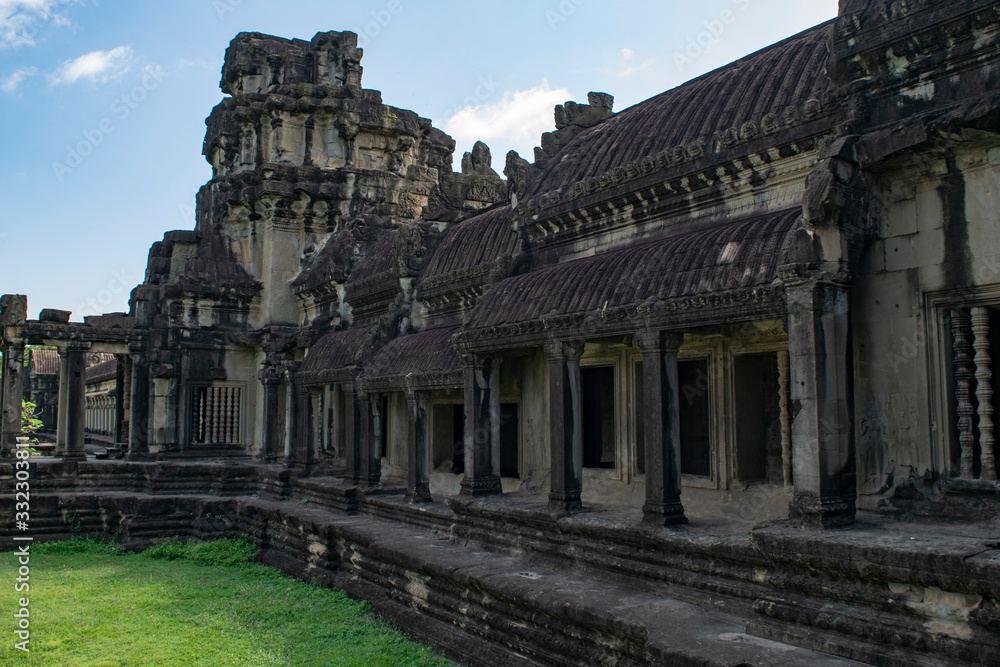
(216, 415)
(968, 365)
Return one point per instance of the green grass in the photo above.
(183, 603)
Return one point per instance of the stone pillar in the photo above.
(13, 391)
(76, 402)
(62, 416)
(661, 427)
(352, 435)
(482, 427)
(270, 378)
(418, 447)
(565, 425)
(361, 467)
(139, 403)
(118, 428)
(823, 458)
(303, 449)
(291, 411)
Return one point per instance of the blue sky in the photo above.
(103, 102)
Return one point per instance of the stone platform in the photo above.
(505, 581)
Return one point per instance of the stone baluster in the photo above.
(961, 332)
(785, 418)
(984, 390)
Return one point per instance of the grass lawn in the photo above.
(182, 604)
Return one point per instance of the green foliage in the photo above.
(228, 552)
(78, 545)
(95, 605)
(29, 419)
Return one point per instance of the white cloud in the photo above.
(96, 66)
(20, 20)
(11, 83)
(516, 122)
(626, 54)
(631, 69)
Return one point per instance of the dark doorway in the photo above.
(758, 429)
(695, 418)
(508, 440)
(598, 402)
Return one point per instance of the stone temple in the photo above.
(707, 380)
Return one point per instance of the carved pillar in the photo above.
(291, 411)
(785, 419)
(984, 390)
(270, 378)
(418, 447)
(76, 402)
(823, 458)
(13, 390)
(482, 426)
(661, 427)
(62, 416)
(119, 421)
(352, 426)
(139, 403)
(370, 472)
(315, 430)
(361, 468)
(566, 425)
(961, 332)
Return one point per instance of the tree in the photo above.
(29, 420)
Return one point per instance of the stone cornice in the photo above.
(693, 311)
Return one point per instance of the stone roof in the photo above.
(476, 242)
(336, 352)
(422, 354)
(775, 87)
(44, 362)
(732, 256)
(104, 370)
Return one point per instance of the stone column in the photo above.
(76, 402)
(361, 468)
(118, 429)
(823, 459)
(565, 425)
(13, 391)
(418, 447)
(139, 403)
(482, 427)
(62, 416)
(291, 411)
(370, 470)
(270, 378)
(661, 427)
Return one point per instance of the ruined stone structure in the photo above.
(42, 385)
(770, 293)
